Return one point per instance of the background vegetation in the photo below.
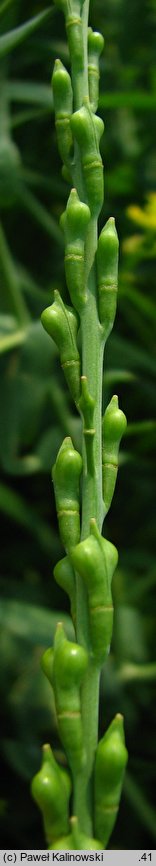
(36, 411)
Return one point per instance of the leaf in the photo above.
(13, 38)
(11, 341)
(133, 356)
(32, 623)
(28, 91)
(4, 6)
(138, 99)
(15, 507)
(22, 757)
(140, 804)
(140, 428)
(142, 303)
(40, 214)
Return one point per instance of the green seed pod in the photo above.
(95, 47)
(74, 222)
(63, 105)
(95, 559)
(113, 427)
(51, 789)
(66, 174)
(69, 664)
(47, 661)
(65, 577)
(61, 323)
(110, 763)
(107, 275)
(66, 476)
(76, 840)
(87, 129)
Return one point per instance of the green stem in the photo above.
(92, 352)
(80, 76)
(92, 503)
(83, 804)
(85, 16)
(92, 506)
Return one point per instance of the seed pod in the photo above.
(95, 559)
(61, 323)
(110, 763)
(69, 663)
(63, 105)
(51, 789)
(87, 129)
(76, 840)
(65, 577)
(95, 47)
(74, 222)
(66, 475)
(113, 427)
(107, 275)
(47, 661)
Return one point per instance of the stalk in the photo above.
(86, 571)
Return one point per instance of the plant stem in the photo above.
(83, 781)
(92, 506)
(92, 502)
(80, 76)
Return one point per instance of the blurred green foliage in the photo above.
(36, 410)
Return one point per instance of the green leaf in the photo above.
(15, 507)
(11, 341)
(32, 623)
(4, 6)
(28, 91)
(142, 303)
(13, 38)
(40, 214)
(138, 99)
(141, 428)
(133, 356)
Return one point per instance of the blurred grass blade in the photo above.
(140, 804)
(140, 99)
(40, 214)
(11, 341)
(10, 276)
(14, 506)
(129, 672)
(132, 355)
(140, 427)
(26, 116)
(31, 622)
(13, 38)
(4, 6)
(112, 376)
(140, 301)
(28, 91)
